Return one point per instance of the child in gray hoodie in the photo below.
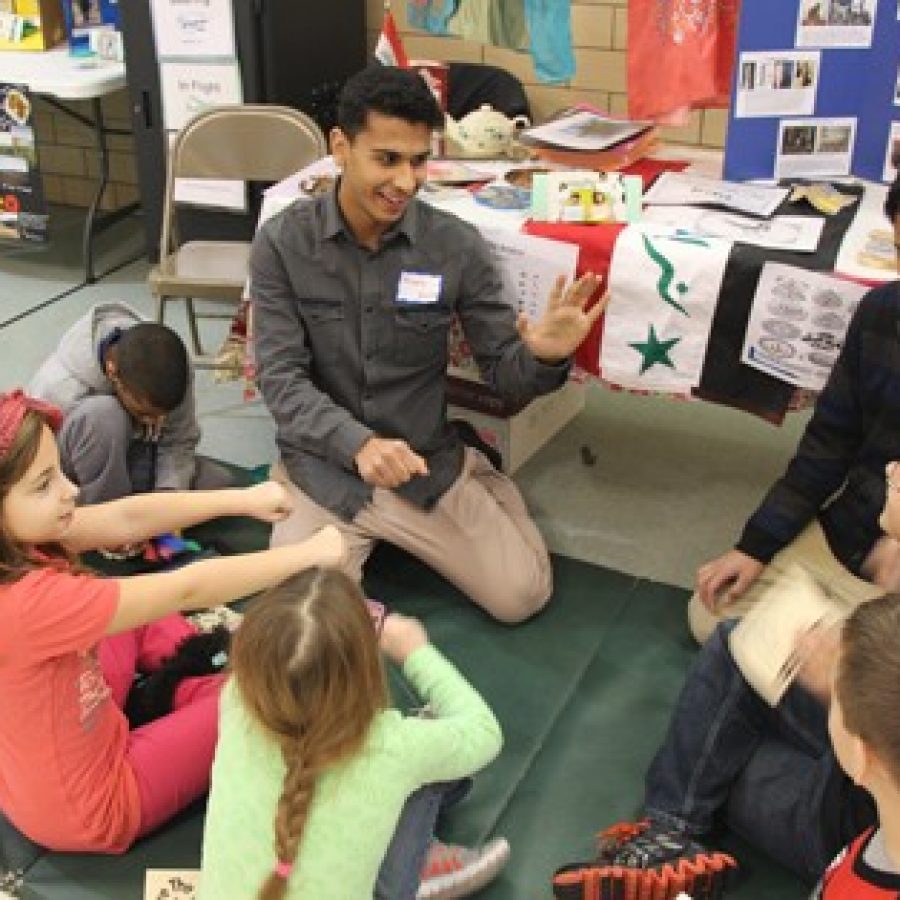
(125, 387)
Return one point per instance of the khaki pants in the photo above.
(810, 550)
(479, 536)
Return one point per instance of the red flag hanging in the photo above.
(389, 49)
(680, 55)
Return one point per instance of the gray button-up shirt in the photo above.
(341, 357)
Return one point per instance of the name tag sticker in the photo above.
(419, 287)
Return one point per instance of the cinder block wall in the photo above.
(600, 35)
(599, 30)
(68, 158)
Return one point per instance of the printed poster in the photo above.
(23, 214)
(782, 83)
(836, 23)
(664, 288)
(798, 322)
(810, 148)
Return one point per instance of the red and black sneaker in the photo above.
(645, 861)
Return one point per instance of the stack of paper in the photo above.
(763, 643)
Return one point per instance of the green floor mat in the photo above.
(584, 692)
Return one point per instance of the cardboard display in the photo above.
(31, 24)
(812, 76)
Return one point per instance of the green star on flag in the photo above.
(654, 351)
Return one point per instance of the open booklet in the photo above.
(763, 641)
(171, 884)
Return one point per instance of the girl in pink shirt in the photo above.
(72, 774)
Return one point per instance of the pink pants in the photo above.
(171, 757)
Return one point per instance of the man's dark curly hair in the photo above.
(399, 93)
(152, 362)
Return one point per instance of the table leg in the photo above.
(95, 221)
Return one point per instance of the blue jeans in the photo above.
(400, 873)
(771, 772)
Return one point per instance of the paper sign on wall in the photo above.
(193, 27)
(191, 88)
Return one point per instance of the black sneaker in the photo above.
(645, 860)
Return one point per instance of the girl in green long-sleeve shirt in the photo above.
(312, 768)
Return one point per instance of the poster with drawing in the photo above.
(777, 84)
(797, 325)
(796, 234)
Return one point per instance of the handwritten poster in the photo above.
(191, 88)
(193, 27)
(530, 266)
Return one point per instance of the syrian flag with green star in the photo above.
(664, 284)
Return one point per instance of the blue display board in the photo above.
(858, 82)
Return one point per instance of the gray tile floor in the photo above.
(671, 485)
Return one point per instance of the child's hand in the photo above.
(268, 502)
(328, 548)
(400, 636)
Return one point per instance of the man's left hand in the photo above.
(566, 321)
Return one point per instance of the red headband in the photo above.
(13, 408)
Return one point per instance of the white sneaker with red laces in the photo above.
(452, 871)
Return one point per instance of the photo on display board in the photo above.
(798, 139)
(835, 23)
(779, 83)
(812, 148)
(86, 12)
(834, 139)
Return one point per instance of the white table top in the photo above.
(57, 74)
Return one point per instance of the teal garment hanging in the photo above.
(500, 23)
(430, 15)
(550, 28)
